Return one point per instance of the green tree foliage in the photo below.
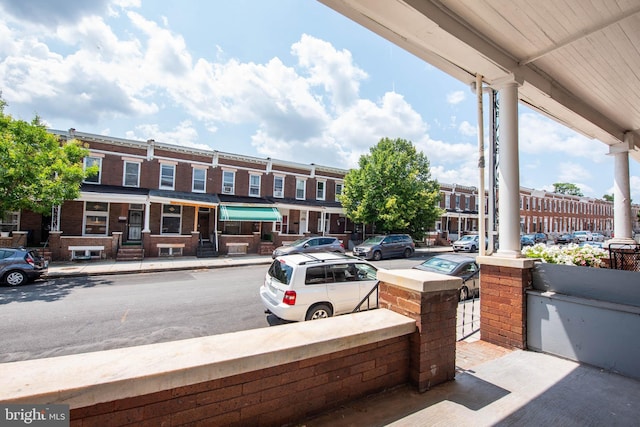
(393, 189)
(567, 188)
(36, 172)
(608, 197)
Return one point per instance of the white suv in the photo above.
(313, 286)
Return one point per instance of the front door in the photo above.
(203, 225)
(135, 226)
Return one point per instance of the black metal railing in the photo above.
(367, 299)
(624, 256)
(468, 321)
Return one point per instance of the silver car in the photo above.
(309, 245)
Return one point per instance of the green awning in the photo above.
(243, 213)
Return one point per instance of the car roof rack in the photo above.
(314, 259)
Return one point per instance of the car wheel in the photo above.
(473, 249)
(377, 256)
(320, 311)
(15, 278)
(407, 253)
(464, 293)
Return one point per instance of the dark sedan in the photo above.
(455, 265)
(565, 239)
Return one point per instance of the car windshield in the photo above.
(440, 264)
(280, 271)
(373, 240)
(530, 236)
(468, 238)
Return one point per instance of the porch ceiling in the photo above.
(578, 61)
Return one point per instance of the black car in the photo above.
(19, 266)
(565, 239)
(455, 265)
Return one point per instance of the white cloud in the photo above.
(184, 135)
(455, 97)
(467, 129)
(539, 135)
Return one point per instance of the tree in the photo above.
(567, 188)
(608, 197)
(36, 171)
(392, 189)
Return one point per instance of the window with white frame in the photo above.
(171, 219)
(467, 203)
(447, 201)
(228, 182)
(167, 176)
(457, 201)
(91, 161)
(10, 221)
(131, 174)
(198, 184)
(278, 186)
(339, 187)
(320, 186)
(254, 185)
(96, 215)
(301, 186)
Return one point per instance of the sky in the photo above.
(287, 79)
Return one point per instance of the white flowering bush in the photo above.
(585, 256)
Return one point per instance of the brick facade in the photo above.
(273, 396)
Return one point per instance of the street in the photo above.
(84, 314)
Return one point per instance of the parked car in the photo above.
(392, 245)
(461, 266)
(310, 244)
(538, 237)
(468, 243)
(597, 237)
(312, 286)
(592, 243)
(582, 236)
(565, 239)
(19, 266)
(526, 240)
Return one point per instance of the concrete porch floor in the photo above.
(500, 387)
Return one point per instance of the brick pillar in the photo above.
(432, 300)
(193, 243)
(146, 243)
(503, 302)
(54, 245)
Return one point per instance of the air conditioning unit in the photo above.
(227, 189)
(277, 193)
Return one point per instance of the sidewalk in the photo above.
(148, 265)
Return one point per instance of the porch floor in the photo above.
(495, 386)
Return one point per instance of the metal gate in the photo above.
(468, 317)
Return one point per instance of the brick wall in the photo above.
(503, 305)
(273, 396)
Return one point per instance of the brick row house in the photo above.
(540, 212)
(154, 199)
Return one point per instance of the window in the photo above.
(171, 218)
(228, 182)
(320, 190)
(457, 202)
(167, 176)
(199, 180)
(10, 221)
(96, 215)
(131, 174)
(301, 185)
(338, 190)
(467, 203)
(278, 186)
(447, 201)
(93, 161)
(254, 185)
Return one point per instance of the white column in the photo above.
(509, 173)
(147, 215)
(622, 192)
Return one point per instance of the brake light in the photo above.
(29, 260)
(289, 298)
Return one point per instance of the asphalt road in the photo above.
(84, 314)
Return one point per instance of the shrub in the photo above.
(585, 256)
